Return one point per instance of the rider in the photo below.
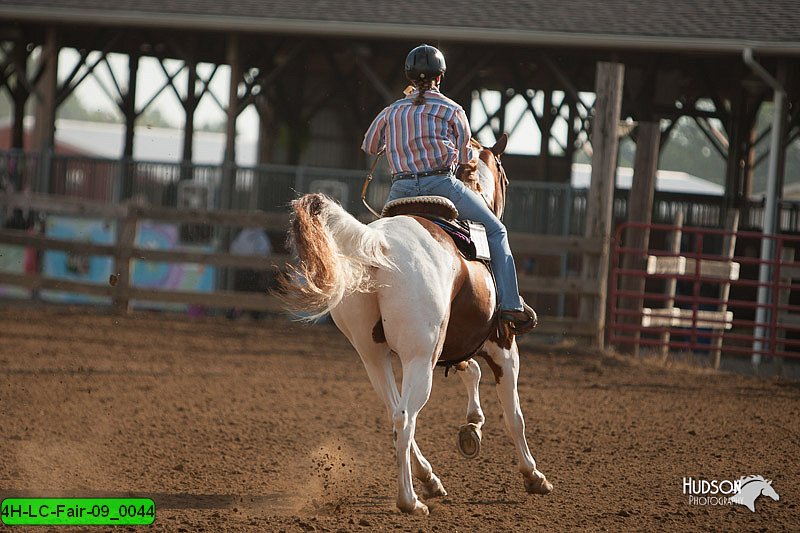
(425, 135)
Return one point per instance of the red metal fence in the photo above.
(697, 290)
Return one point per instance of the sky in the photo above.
(150, 79)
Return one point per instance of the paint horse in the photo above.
(400, 285)
(751, 488)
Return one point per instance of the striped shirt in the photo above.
(417, 138)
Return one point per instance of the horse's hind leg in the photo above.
(379, 369)
(505, 365)
(417, 381)
(376, 356)
(469, 435)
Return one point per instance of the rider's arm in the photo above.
(375, 138)
(462, 136)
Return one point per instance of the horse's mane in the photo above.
(745, 480)
(468, 172)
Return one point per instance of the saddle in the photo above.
(468, 236)
(470, 240)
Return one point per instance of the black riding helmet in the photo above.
(424, 62)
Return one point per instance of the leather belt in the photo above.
(417, 175)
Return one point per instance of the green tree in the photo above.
(689, 150)
(74, 108)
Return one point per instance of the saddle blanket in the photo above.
(469, 237)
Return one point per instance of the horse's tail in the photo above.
(337, 254)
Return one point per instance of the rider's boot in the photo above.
(520, 321)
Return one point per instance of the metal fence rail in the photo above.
(682, 306)
(533, 207)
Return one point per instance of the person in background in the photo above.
(250, 241)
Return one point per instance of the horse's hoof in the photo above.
(433, 489)
(538, 485)
(418, 508)
(469, 440)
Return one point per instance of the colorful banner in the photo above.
(77, 266)
(190, 277)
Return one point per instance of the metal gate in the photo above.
(705, 291)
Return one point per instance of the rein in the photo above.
(368, 181)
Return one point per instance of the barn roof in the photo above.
(693, 25)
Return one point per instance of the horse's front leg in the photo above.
(469, 435)
(504, 363)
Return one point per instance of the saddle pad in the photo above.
(469, 237)
(477, 233)
(437, 206)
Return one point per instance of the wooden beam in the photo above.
(38, 282)
(605, 142)
(728, 250)
(556, 285)
(61, 205)
(19, 94)
(46, 109)
(229, 162)
(686, 318)
(129, 111)
(685, 266)
(525, 243)
(640, 210)
(189, 107)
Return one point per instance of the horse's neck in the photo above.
(482, 182)
(751, 489)
(487, 183)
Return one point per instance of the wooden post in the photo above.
(672, 283)
(19, 95)
(129, 110)
(225, 275)
(265, 129)
(728, 251)
(640, 209)
(189, 107)
(126, 238)
(229, 162)
(46, 110)
(600, 200)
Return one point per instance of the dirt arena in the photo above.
(268, 425)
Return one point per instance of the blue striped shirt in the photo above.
(417, 138)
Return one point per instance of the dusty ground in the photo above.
(274, 426)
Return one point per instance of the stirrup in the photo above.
(520, 322)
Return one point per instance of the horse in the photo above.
(751, 487)
(399, 285)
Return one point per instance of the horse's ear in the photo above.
(500, 146)
(769, 482)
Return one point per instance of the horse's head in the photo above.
(767, 490)
(485, 174)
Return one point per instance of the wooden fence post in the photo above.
(728, 251)
(599, 203)
(640, 209)
(126, 237)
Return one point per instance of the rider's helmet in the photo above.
(424, 62)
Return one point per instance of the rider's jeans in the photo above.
(471, 207)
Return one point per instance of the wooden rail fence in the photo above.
(127, 217)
